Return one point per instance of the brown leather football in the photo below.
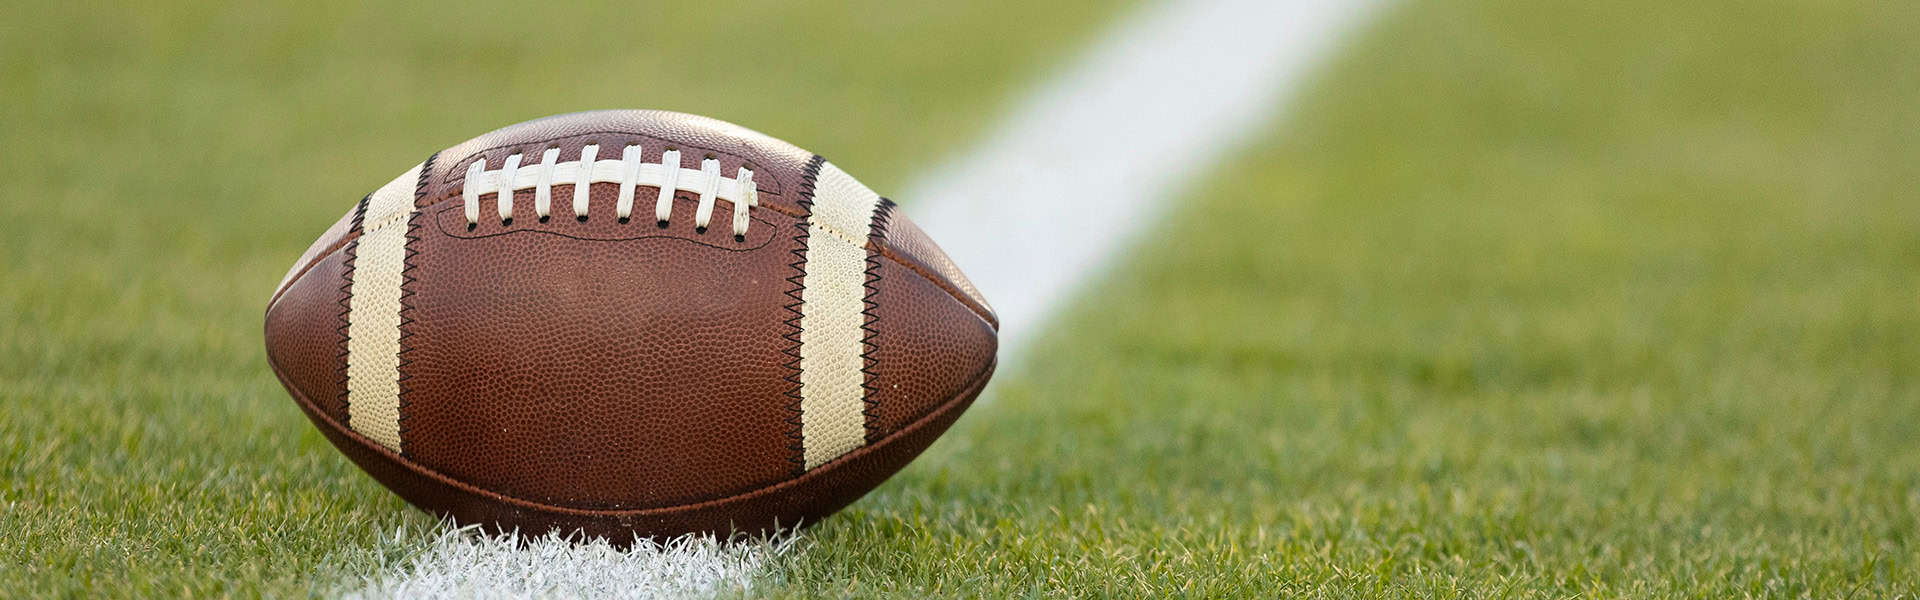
(629, 323)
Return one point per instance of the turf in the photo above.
(168, 161)
(1522, 299)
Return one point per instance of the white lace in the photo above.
(629, 171)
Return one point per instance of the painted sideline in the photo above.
(1045, 202)
(1059, 190)
(463, 563)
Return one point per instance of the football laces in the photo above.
(630, 171)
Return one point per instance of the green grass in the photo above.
(168, 161)
(1561, 299)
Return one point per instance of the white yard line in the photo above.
(464, 564)
(1042, 204)
(1059, 190)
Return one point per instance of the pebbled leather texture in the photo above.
(306, 337)
(912, 319)
(628, 379)
(906, 243)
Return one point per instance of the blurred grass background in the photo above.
(1522, 299)
(1519, 299)
(169, 161)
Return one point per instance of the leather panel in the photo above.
(306, 333)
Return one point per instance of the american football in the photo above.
(629, 324)
(1261, 299)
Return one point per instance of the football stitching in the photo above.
(388, 220)
(798, 448)
(839, 235)
(407, 279)
(869, 324)
(350, 248)
(359, 213)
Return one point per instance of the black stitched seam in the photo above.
(881, 215)
(349, 252)
(407, 279)
(798, 447)
(869, 321)
(359, 213)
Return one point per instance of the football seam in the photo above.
(797, 446)
(346, 292)
(407, 279)
(359, 218)
(869, 324)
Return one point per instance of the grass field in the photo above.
(1523, 299)
(1518, 299)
